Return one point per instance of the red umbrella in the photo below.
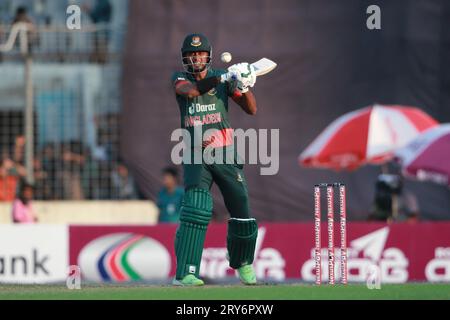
(428, 156)
(368, 135)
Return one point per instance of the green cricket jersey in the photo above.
(209, 110)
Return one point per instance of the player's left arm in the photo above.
(246, 101)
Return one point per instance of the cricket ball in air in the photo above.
(225, 57)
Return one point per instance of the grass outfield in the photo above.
(235, 292)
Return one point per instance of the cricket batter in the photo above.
(202, 94)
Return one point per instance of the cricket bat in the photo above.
(263, 66)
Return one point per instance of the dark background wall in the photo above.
(329, 63)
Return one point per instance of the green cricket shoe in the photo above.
(188, 281)
(247, 274)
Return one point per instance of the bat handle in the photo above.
(237, 94)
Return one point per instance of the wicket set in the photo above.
(330, 187)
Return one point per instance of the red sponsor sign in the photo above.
(401, 252)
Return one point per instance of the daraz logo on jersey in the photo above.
(197, 107)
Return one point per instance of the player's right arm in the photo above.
(189, 89)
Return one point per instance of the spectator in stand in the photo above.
(10, 173)
(22, 17)
(90, 176)
(123, 183)
(52, 180)
(73, 161)
(19, 150)
(22, 210)
(392, 202)
(19, 157)
(102, 153)
(101, 12)
(42, 190)
(100, 15)
(170, 197)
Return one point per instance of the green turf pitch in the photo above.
(234, 292)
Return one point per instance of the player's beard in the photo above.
(196, 67)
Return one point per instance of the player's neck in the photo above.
(200, 75)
